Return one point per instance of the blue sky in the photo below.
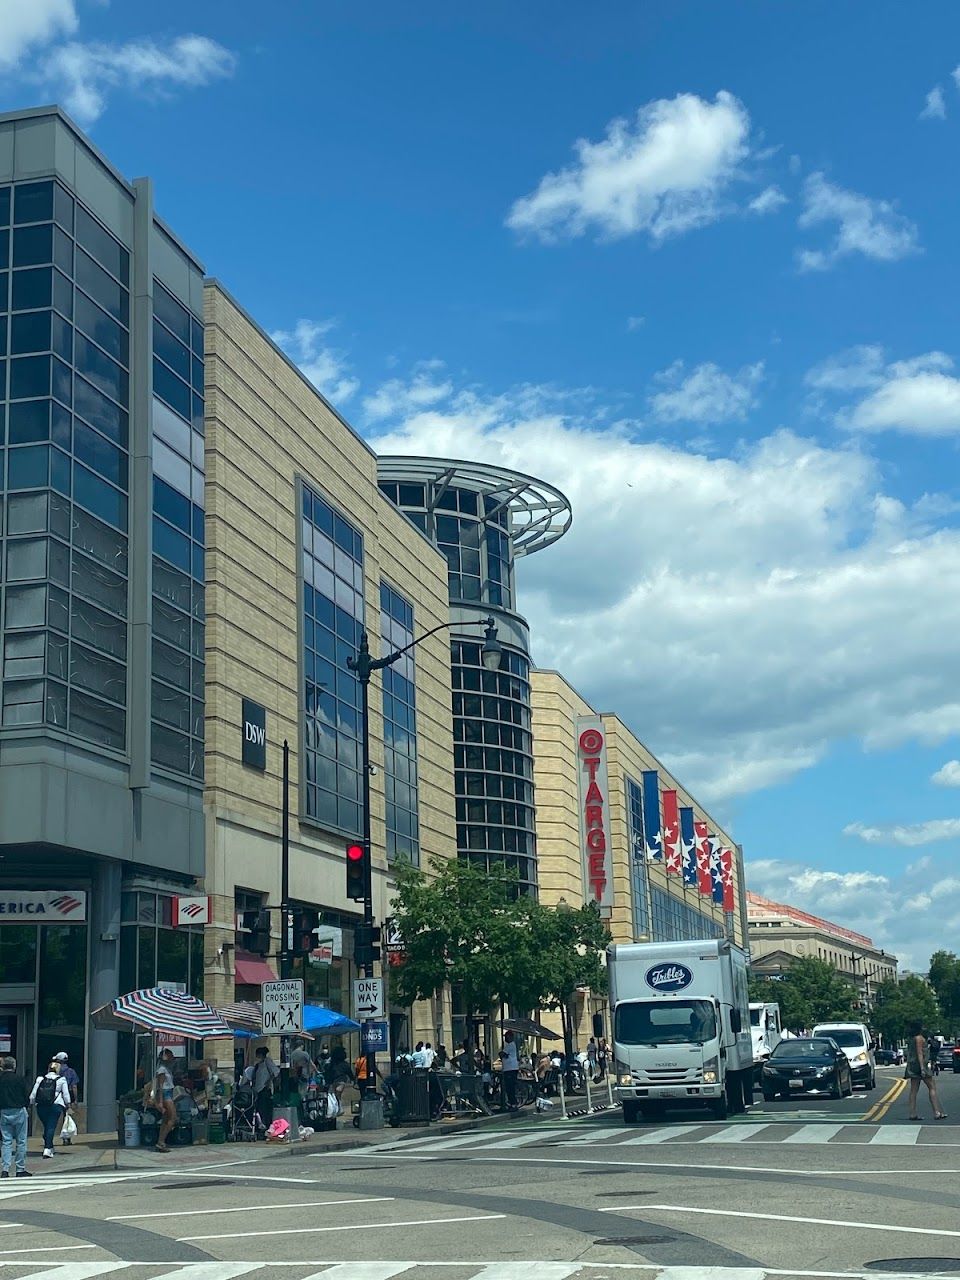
(696, 264)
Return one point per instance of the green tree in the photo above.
(810, 991)
(945, 980)
(897, 1004)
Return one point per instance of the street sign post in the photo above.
(281, 1004)
(368, 998)
(374, 1036)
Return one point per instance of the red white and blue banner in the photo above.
(716, 871)
(688, 846)
(671, 832)
(704, 882)
(726, 876)
(652, 834)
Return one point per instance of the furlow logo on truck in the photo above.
(668, 977)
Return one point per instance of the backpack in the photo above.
(46, 1092)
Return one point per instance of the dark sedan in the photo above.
(814, 1066)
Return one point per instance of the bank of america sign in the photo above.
(49, 906)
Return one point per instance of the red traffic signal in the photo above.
(356, 872)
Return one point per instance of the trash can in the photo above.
(131, 1128)
(216, 1132)
(413, 1097)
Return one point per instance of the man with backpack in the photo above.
(52, 1098)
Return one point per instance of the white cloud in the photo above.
(768, 201)
(635, 322)
(324, 366)
(84, 74)
(909, 914)
(948, 775)
(26, 23)
(400, 397)
(743, 613)
(663, 174)
(920, 396)
(935, 105)
(873, 228)
(706, 394)
(908, 837)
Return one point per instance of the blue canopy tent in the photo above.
(317, 1018)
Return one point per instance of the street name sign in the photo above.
(281, 1004)
(368, 998)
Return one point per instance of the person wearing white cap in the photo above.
(73, 1085)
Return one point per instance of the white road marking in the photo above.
(211, 1271)
(248, 1208)
(896, 1135)
(51, 1248)
(351, 1226)
(435, 1142)
(737, 1132)
(360, 1271)
(75, 1270)
(818, 1134)
(628, 1165)
(659, 1135)
(544, 1271)
(523, 1140)
(780, 1217)
(595, 1135)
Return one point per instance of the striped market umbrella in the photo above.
(157, 1009)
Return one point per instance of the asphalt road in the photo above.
(796, 1187)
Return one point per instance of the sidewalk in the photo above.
(99, 1152)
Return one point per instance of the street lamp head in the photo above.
(491, 655)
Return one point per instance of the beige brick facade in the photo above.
(266, 428)
(556, 706)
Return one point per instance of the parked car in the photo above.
(886, 1057)
(955, 1057)
(814, 1066)
(854, 1039)
(945, 1054)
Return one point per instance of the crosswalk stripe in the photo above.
(210, 1271)
(594, 1136)
(896, 1135)
(523, 1140)
(544, 1271)
(737, 1132)
(435, 1142)
(659, 1135)
(78, 1270)
(814, 1133)
(360, 1271)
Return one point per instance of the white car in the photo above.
(854, 1039)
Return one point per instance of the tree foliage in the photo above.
(945, 980)
(470, 927)
(897, 1004)
(810, 991)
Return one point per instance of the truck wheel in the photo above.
(630, 1112)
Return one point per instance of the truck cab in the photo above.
(681, 1026)
(766, 1033)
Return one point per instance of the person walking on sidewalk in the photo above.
(73, 1085)
(14, 1101)
(52, 1098)
(261, 1077)
(162, 1095)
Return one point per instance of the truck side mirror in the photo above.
(736, 1022)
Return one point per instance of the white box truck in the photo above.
(766, 1032)
(681, 1026)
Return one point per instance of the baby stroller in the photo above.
(242, 1117)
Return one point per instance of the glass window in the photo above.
(100, 412)
(170, 504)
(33, 202)
(97, 540)
(28, 467)
(99, 584)
(97, 721)
(172, 352)
(94, 627)
(30, 332)
(101, 245)
(29, 421)
(104, 290)
(29, 377)
(26, 559)
(100, 498)
(4, 206)
(98, 674)
(170, 749)
(170, 544)
(33, 246)
(62, 207)
(61, 1013)
(18, 952)
(104, 373)
(90, 447)
(172, 313)
(105, 331)
(170, 389)
(32, 289)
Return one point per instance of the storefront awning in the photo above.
(251, 970)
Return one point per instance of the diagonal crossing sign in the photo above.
(281, 1005)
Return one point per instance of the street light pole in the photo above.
(364, 665)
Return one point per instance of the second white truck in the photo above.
(766, 1032)
(681, 1027)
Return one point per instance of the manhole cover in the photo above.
(930, 1266)
(189, 1186)
(636, 1240)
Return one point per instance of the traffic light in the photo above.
(366, 944)
(305, 922)
(256, 923)
(356, 872)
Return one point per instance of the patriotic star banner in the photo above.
(688, 847)
(704, 883)
(726, 876)
(653, 835)
(671, 832)
(716, 873)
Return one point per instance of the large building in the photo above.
(192, 543)
(780, 935)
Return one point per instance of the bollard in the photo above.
(563, 1100)
(586, 1079)
(609, 1089)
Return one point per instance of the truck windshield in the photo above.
(665, 1022)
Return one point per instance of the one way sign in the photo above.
(368, 998)
(281, 1004)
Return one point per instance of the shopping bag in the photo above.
(69, 1129)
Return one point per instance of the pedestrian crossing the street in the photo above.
(389, 1270)
(575, 1137)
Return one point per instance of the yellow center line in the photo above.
(880, 1109)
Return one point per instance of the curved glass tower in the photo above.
(482, 518)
